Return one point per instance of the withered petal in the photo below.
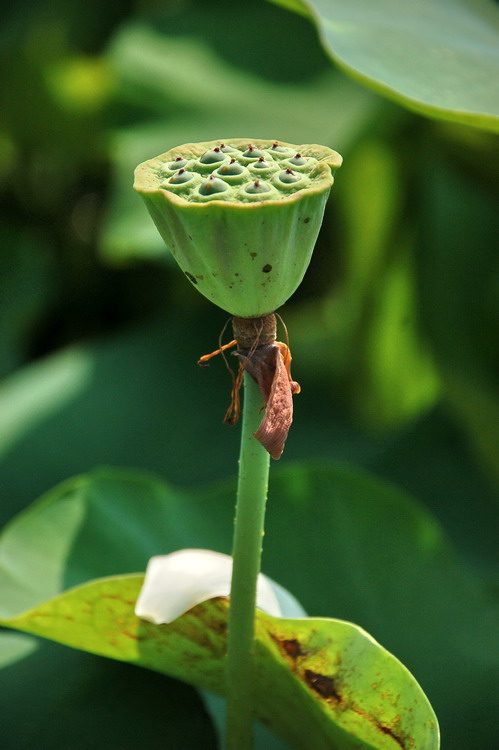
(275, 425)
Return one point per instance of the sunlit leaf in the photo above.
(319, 682)
(376, 559)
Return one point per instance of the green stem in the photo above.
(247, 552)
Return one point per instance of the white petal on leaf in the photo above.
(176, 582)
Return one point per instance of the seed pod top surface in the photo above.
(240, 215)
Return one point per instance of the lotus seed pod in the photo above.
(242, 234)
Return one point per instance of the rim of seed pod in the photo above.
(148, 179)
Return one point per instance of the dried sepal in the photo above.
(269, 366)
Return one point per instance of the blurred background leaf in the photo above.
(438, 58)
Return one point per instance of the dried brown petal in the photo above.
(269, 369)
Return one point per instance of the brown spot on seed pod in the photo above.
(253, 255)
(305, 221)
(267, 268)
(191, 277)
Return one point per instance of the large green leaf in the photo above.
(319, 682)
(437, 57)
(372, 557)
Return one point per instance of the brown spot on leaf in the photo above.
(292, 648)
(386, 729)
(253, 255)
(305, 221)
(267, 268)
(323, 685)
(289, 646)
(133, 636)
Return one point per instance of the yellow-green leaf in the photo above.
(321, 683)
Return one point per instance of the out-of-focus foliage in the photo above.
(437, 57)
(344, 517)
(394, 331)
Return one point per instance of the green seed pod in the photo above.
(243, 234)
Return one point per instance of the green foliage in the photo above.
(394, 334)
(395, 564)
(342, 688)
(437, 58)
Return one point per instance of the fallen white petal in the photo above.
(176, 582)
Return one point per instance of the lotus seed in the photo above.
(257, 187)
(253, 153)
(178, 163)
(281, 151)
(289, 177)
(228, 149)
(180, 178)
(212, 185)
(214, 156)
(232, 168)
(261, 164)
(298, 160)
